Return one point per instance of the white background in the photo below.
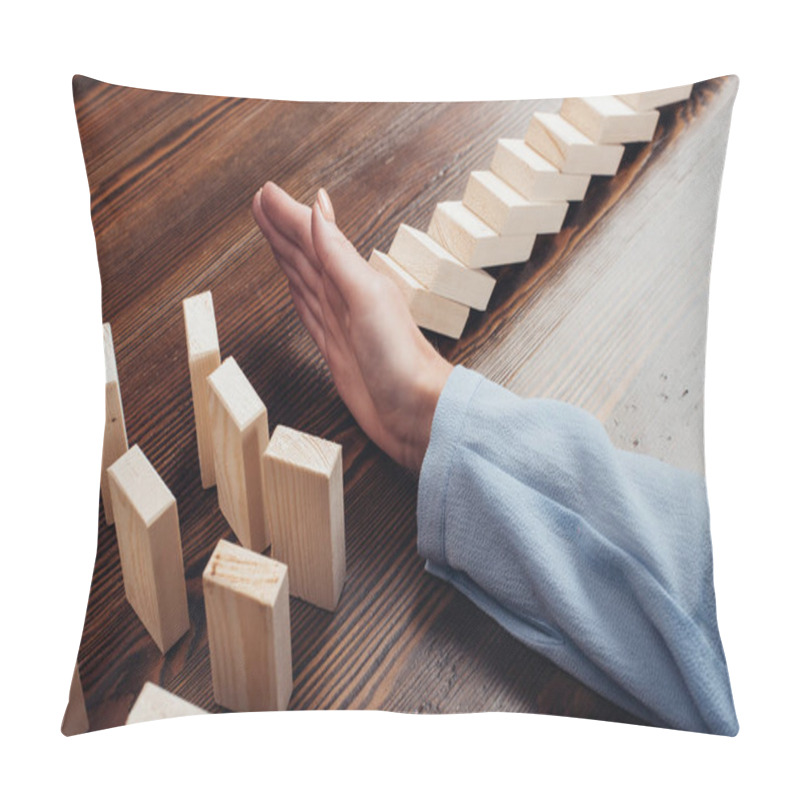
(52, 389)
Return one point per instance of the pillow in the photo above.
(559, 249)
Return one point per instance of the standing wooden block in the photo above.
(533, 176)
(472, 241)
(115, 437)
(149, 542)
(607, 120)
(643, 101)
(249, 636)
(440, 271)
(506, 211)
(154, 702)
(305, 502)
(429, 310)
(75, 718)
(239, 433)
(564, 146)
(202, 345)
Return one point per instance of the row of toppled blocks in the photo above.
(525, 193)
(283, 491)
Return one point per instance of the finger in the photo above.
(309, 320)
(288, 255)
(290, 218)
(351, 275)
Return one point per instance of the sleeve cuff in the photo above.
(448, 422)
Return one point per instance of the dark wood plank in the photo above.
(171, 177)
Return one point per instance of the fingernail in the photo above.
(325, 205)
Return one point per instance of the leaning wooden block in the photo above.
(75, 718)
(429, 310)
(472, 241)
(506, 211)
(608, 120)
(643, 101)
(305, 504)
(239, 433)
(249, 636)
(115, 437)
(202, 345)
(154, 702)
(149, 543)
(440, 271)
(564, 146)
(533, 176)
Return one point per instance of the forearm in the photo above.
(599, 559)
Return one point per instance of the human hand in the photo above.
(385, 370)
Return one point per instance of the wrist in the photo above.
(428, 387)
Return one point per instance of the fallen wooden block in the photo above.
(149, 541)
(608, 120)
(429, 310)
(305, 505)
(239, 434)
(75, 718)
(506, 211)
(154, 702)
(533, 176)
(115, 437)
(643, 101)
(249, 636)
(564, 146)
(472, 241)
(440, 271)
(202, 345)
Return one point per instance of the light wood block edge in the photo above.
(430, 311)
(154, 702)
(115, 436)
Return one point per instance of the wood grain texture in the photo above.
(429, 310)
(533, 176)
(115, 437)
(249, 630)
(149, 541)
(202, 347)
(472, 241)
(608, 120)
(439, 270)
(171, 177)
(564, 146)
(507, 211)
(155, 703)
(76, 720)
(304, 497)
(239, 435)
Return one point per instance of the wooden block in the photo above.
(239, 433)
(305, 504)
(75, 718)
(506, 211)
(472, 241)
(429, 310)
(608, 120)
(249, 636)
(149, 541)
(115, 437)
(533, 176)
(154, 702)
(202, 345)
(564, 146)
(438, 270)
(644, 101)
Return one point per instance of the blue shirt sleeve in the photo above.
(597, 558)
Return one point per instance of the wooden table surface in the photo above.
(610, 314)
